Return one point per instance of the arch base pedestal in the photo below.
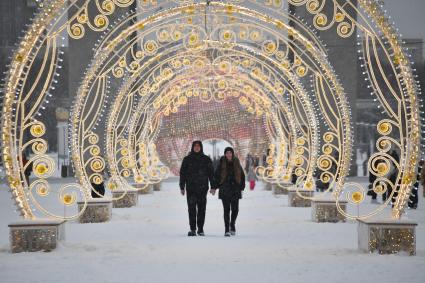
(157, 187)
(142, 190)
(325, 210)
(36, 235)
(97, 211)
(130, 199)
(387, 236)
(294, 200)
(281, 189)
(268, 187)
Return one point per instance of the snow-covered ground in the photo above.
(148, 243)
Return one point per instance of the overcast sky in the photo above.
(408, 16)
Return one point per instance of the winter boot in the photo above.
(201, 233)
(232, 229)
(191, 233)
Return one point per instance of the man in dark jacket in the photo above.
(195, 173)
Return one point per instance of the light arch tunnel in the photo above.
(270, 60)
(224, 85)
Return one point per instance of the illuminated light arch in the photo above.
(143, 106)
(398, 129)
(155, 101)
(144, 27)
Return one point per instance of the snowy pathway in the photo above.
(275, 243)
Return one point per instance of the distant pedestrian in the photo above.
(422, 178)
(413, 200)
(28, 169)
(252, 177)
(393, 176)
(371, 192)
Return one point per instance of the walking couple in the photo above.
(196, 172)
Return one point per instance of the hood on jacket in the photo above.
(200, 144)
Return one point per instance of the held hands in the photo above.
(212, 191)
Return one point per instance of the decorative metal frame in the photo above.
(134, 50)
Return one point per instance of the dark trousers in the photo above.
(230, 205)
(388, 193)
(375, 195)
(98, 190)
(196, 205)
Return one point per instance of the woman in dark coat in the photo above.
(230, 178)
